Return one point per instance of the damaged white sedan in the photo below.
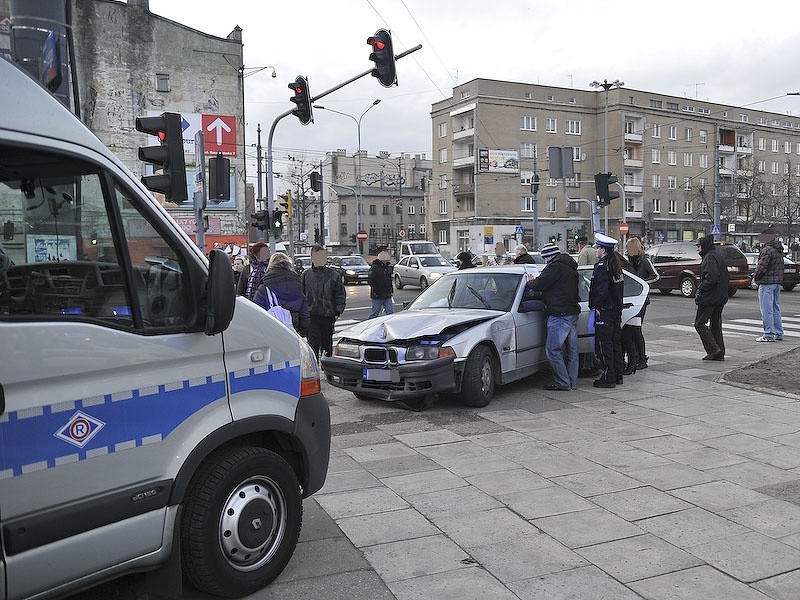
(468, 332)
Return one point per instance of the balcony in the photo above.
(632, 162)
(633, 188)
(633, 137)
(464, 161)
(464, 133)
(744, 150)
(725, 172)
(463, 189)
(725, 148)
(744, 173)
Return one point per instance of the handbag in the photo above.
(276, 310)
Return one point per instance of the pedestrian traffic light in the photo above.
(601, 183)
(277, 220)
(383, 57)
(259, 220)
(167, 156)
(286, 205)
(219, 179)
(302, 98)
(316, 181)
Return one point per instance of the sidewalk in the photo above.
(673, 485)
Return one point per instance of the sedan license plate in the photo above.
(789, 271)
(380, 375)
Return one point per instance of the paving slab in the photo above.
(695, 584)
(781, 587)
(640, 503)
(692, 526)
(464, 584)
(417, 557)
(573, 584)
(479, 529)
(586, 527)
(385, 527)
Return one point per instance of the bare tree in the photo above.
(788, 203)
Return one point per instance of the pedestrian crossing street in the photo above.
(747, 327)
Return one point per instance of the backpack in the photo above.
(276, 310)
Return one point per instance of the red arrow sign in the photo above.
(220, 134)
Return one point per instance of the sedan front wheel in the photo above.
(477, 384)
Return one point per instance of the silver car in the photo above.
(420, 270)
(468, 332)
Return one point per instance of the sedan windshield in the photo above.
(495, 291)
(434, 261)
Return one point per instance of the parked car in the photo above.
(420, 270)
(353, 269)
(468, 332)
(678, 266)
(791, 271)
(301, 262)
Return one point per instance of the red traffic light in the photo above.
(383, 57)
(302, 98)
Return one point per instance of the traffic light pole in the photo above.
(270, 183)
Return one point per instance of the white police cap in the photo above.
(603, 240)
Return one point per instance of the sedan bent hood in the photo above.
(411, 324)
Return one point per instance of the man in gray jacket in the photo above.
(324, 290)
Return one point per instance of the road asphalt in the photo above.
(675, 485)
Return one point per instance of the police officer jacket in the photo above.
(606, 291)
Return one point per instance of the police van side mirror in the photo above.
(220, 293)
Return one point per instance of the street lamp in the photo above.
(358, 163)
(607, 86)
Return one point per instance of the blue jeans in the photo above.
(562, 350)
(769, 299)
(381, 303)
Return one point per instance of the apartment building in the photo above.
(677, 160)
(382, 195)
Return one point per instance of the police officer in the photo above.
(605, 300)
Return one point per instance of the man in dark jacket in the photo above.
(324, 290)
(769, 277)
(605, 300)
(712, 294)
(558, 284)
(521, 256)
(380, 285)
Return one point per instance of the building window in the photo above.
(703, 209)
(672, 182)
(528, 96)
(372, 226)
(385, 210)
(762, 166)
(687, 207)
(687, 108)
(412, 228)
(572, 127)
(656, 205)
(422, 209)
(572, 100)
(703, 136)
(552, 126)
(442, 182)
(673, 207)
(443, 236)
(422, 229)
(656, 182)
(442, 130)
(577, 156)
(656, 104)
(672, 157)
(703, 183)
(704, 161)
(574, 207)
(656, 130)
(343, 209)
(442, 207)
(743, 118)
(672, 106)
(704, 111)
(343, 228)
(687, 159)
(526, 203)
(629, 127)
(688, 134)
(527, 123)
(527, 150)
(773, 188)
(774, 167)
(762, 143)
(787, 147)
(443, 155)
(775, 145)
(673, 132)
(525, 177)
(463, 239)
(656, 156)
(687, 183)
(573, 181)
(552, 205)
(162, 82)
(373, 209)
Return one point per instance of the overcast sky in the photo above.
(738, 52)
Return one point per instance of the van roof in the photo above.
(28, 108)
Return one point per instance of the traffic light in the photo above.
(601, 183)
(277, 220)
(558, 236)
(259, 220)
(535, 184)
(167, 156)
(286, 205)
(552, 239)
(219, 179)
(316, 181)
(302, 98)
(383, 57)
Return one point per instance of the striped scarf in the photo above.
(257, 271)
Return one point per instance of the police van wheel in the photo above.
(241, 522)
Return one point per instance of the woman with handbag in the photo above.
(632, 337)
(282, 283)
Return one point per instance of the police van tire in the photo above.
(223, 551)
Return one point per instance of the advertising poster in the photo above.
(498, 161)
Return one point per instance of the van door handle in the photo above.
(257, 356)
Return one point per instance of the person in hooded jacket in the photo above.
(380, 285)
(769, 277)
(466, 259)
(558, 284)
(712, 294)
(288, 289)
(324, 290)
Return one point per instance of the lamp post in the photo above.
(358, 162)
(607, 86)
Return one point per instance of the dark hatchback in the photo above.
(678, 266)
(353, 268)
(791, 272)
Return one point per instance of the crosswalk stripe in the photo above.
(693, 330)
(747, 327)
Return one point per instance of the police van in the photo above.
(149, 419)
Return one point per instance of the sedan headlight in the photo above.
(350, 272)
(435, 276)
(347, 350)
(428, 351)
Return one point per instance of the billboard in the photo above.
(498, 161)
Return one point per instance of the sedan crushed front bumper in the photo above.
(397, 382)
